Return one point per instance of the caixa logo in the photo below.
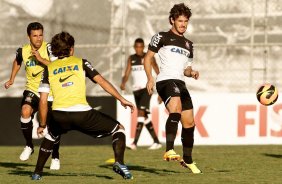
(65, 68)
(180, 51)
(155, 40)
(31, 63)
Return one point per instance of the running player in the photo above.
(70, 111)
(135, 65)
(35, 56)
(176, 56)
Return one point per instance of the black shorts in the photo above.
(92, 122)
(31, 99)
(142, 99)
(171, 88)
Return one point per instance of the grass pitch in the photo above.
(86, 164)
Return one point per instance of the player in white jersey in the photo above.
(135, 66)
(176, 56)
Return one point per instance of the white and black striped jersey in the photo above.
(175, 52)
(138, 72)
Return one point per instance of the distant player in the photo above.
(35, 56)
(65, 77)
(135, 66)
(176, 56)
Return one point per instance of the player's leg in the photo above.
(187, 134)
(174, 109)
(45, 151)
(144, 104)
(55, 162)
(119, 148)
(28, 107)
(149, 125)
(139, 127)
(97, 124)
(170, 94)
(187, 138)
(140, 120)
(58, 124)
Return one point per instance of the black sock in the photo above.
(119, 146)
(171, 129)
(139, 128)
(45, 150)
(151, 130)
(27, 132)
(55, 153)
(187, 138)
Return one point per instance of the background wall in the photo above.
(237, 47)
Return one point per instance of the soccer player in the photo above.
(65, 77)
(35, 56)
(135, 65)
(176, 56)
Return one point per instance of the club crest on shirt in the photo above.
(187, 45)
(28, 99)
(176, 90)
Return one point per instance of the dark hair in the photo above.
(138, 40)
(178, 10)
(61, 44)
(34, 26)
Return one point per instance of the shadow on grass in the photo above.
(156, 171)
(14, 165)
(272, 155)
(19, 169)
(29, 173)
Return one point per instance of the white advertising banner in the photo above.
(221, 119)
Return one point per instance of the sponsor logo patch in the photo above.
(67, 84)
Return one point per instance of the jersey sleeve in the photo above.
(156, 43)
(89, 70)
(50, 54)
(19, 56)
(44, 86)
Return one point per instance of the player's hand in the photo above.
(150, 86)
(195, 74)
(40, 131)
(8, 84)
(36, 54)
(125, 103)
(122, 86)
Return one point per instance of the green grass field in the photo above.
(86, 164)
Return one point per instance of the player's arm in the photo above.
(148, 69)
(38, 57)
(43, 90)
(155, 66)
(189, 72)
(15, 69)
(44, 61)
(126, 74)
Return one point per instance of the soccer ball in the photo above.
(35, 123)
(267, 94)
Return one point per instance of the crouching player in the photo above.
(65, 77)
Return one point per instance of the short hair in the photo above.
(178, 10)
(61, 44)
(138, 40)
(34, 26)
